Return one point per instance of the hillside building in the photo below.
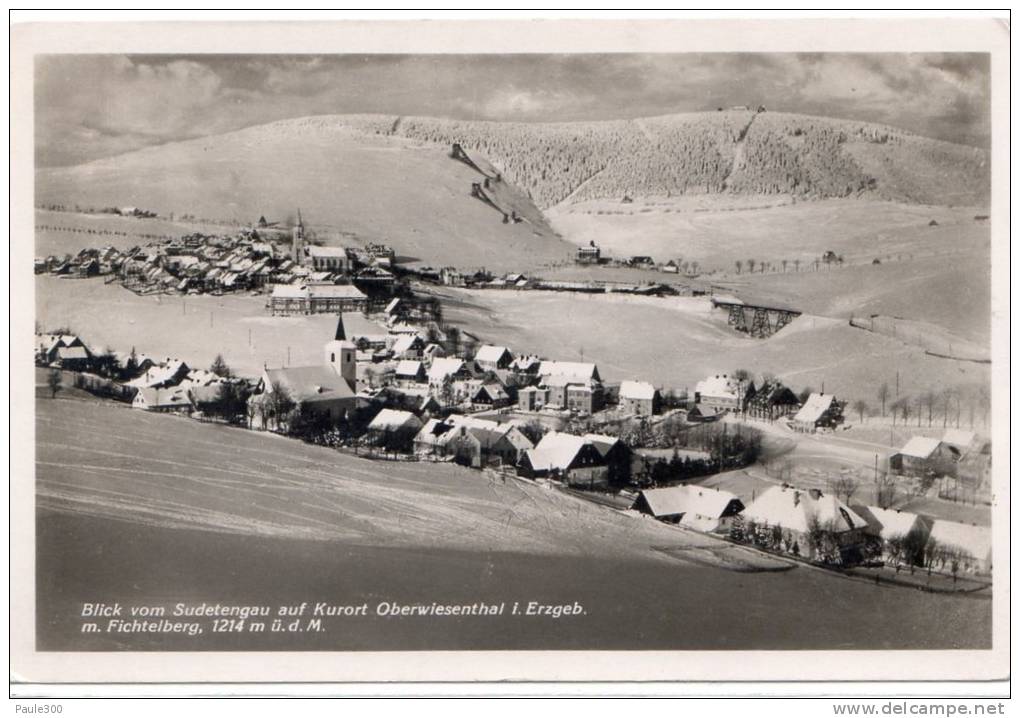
(925, 457)
(697, 507)
(721, 392)
(819, 411)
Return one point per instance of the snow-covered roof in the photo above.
(719, 385)
(408, 367)
(392, 420)
(335, 291)
(795, 509)
(889, 523)
(405, 342)
(314, 251)
(813, 409)
(307, 384)
(443, 367)
(636, 390)
(556, 450)
(959, 439)
(920, 447)
(706, 502)
(490, 353)
(975, 540)
(569, 369)
(174, 396)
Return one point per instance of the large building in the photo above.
(329, 259)
(721, 392)
(290, 300)
(326, 390)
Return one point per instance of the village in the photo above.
(396, 383)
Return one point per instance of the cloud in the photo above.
(90, 106)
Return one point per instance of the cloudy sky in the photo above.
(92, 106)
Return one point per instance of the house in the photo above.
(532, 398)
(169, 372)
(408, 346)
(492, 394)
(922, 456)
(48, 345)
(806, 523)
(325, 390)
(615, 454)
(171, 399)
(721, 392)
(410, 371)
(329, 259)
(573, 459)
(697, 507)
(819, 411)
(394, 429)
(639, 398)
(772, 401)
(492, 358)
(447, 369)
(901, 535)
(526, 365)
(73, 358)
(475, 442)
(970, 546)
(576, 386)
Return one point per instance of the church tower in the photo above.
(340, 354)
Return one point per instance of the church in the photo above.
(327, 389)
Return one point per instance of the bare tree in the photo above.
(844, 487)
(739, 265)
(883, 395)
(796, 265)
(750, 266)
(54, 382)
(861, 407)
(785, 262)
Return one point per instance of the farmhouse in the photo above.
(408, 346)
(170, 372)
(492, 358)
(48, 346)
(819, 411)
(475, 442)
(638, 397)
(807, 523)
(572, 459)
(697, 507)
(492, 394)
(290, 300)
(772, 401)
(163, 400)
(901, 534)
(448, 369)
(922, 456)
(572, 385)
(970, 546)
(721, 392)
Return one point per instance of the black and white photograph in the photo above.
(358, 348)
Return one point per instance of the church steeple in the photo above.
(341, 333)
